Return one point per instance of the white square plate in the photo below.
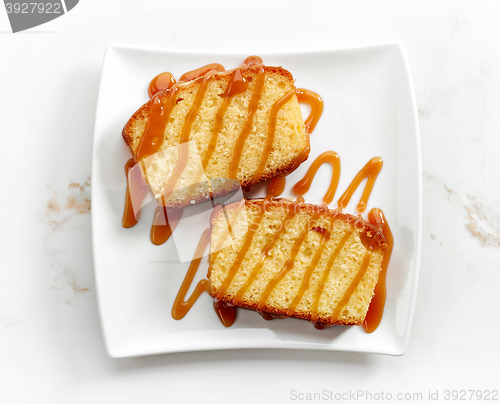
(370, 111)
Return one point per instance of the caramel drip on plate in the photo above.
(225, 312)
(288, 264)
(247, 126)
(181, 306)
(265, 252)
(352, 287)
(305, 183)
(272, 128)
(376, 309)
(317, 106)
(164, 81)
(325, 236)
(276, 186)
(162, 226)
(326, 274)
(128, 219)
(369, 171)
(243, 250)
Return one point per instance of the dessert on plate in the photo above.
(284, 258)
(216, 130)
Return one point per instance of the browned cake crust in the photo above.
(285, 156)
(360, 238)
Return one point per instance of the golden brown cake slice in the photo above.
(295, 259)
(243, 124)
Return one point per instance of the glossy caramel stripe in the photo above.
(159, 115)
(288, 264)
(352, 287)
(317, 106)
(272, 129)
(325, 236)
(236, 85)
(186, 130)
(255, 271)
(243, 250)
(369, 171)
(305, 183)
(326, 274)
(247, 127)
(232, 89)
(181, 306)
(376, 309)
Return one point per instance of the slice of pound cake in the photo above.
(295, 259)
(244, 125)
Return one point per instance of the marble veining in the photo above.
(480, 220)
(61, 209)
(74, 201)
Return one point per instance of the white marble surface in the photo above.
(51, 348)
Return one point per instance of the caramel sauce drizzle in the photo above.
(305, 183)
(272, 128)
(352, 287)
(159, 115)
(277, 184)
(376, 309)
(317, 106)
(247, 126)
(326, 274)
(243, 250)
(186, 130)
(288, 264)
(181, 306)
(325, 236)
(237, 85)
(369, 171)
(265, 252)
